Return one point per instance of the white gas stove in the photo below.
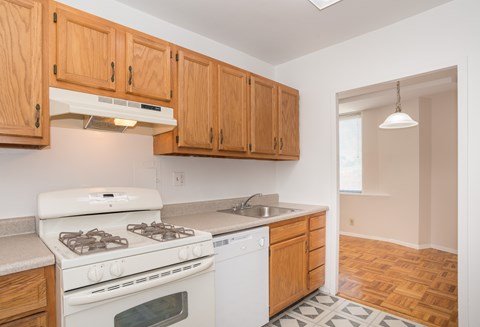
(116, 260)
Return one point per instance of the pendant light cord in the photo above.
(399, 106)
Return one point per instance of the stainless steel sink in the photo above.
(260, 211)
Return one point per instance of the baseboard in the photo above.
(441, 248)
(410, 245)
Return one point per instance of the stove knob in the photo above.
(95, 274)
(197, 251)
(116, 269)
(183, 254)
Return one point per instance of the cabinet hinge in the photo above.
(55, 69)
(176, 57)
(171, 55)
(54, 17)
(176, 139)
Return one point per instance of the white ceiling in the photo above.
(277, 31)
(385, 94)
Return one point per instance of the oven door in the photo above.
(179, 296)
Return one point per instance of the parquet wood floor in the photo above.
(419, 285)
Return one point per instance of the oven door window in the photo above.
(161, 312)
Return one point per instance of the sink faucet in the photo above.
(244, 205)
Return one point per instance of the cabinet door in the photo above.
(22, 293)
(38, 320)
(21, 69)
(195, 101)
(263, 116)
(288, 272)
(85, 50)
(232, 109)
(147, 67)
(288, 121)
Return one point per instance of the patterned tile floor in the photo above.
(324, 310)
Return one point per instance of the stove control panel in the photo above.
(94, 273)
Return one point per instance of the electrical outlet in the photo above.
(351, 222)
(179, 179)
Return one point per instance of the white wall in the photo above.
(442, 37)
(409, 192)
(388, 207)
(443, 210)
(79, 158)
(86, 158)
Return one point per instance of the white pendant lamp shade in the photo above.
(398, 119)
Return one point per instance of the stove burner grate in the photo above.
(161, 232)
(92, 241)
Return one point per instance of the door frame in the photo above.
(332, 255)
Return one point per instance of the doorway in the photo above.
(398, 201)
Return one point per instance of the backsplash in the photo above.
(180, 209)
(15, 226)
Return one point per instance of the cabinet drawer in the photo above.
(317, 221)
(39, 320)
(316, 278)
(316, 258)
(317, 239)
(287, 231)
(23, 293)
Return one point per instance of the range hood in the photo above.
(111, 114)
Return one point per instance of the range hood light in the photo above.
(124, 122)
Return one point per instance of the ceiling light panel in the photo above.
(322, 4)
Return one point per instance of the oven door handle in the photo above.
(81, 299)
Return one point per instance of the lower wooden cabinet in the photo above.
(297, 259)
(316, 263)
(28, 298)
(288, 263)
(38, 320)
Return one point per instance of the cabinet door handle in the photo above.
(113, 72)
(221, 136)
(130, 69)
(211, 135)
(281, 143)
(306, 246)
(37, 115)
(275, 143)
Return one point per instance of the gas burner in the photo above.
(92, 241)
(161, 232)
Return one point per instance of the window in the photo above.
(350, 147)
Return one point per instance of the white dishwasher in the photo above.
(241, 278)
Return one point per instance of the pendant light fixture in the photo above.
(398, 119)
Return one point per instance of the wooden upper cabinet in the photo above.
(23, 95)
(232, 109)
(288, 121)
(85, 50)
(195, 100)
(263, 116)
(147, 67)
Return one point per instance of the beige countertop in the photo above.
(23, 252)
(220, 223)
